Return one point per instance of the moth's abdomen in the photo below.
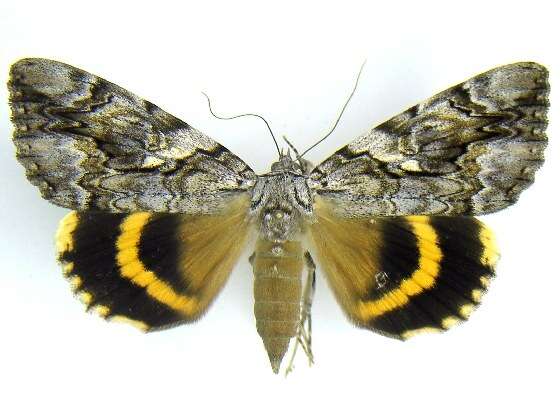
(277, 268)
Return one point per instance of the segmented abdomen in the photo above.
(277, 268)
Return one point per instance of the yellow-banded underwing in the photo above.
(161, 212)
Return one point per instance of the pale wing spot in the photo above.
(490, 253)
(411, 333)
(64, 235)
(75, 282)
(381, 280)
(466, 310)
(102, 310)
(85, 298)
(449, 322)
(476, 295)
(151, 162)
(485, 281)
(411, 165)
(67, 268)
(135, 323)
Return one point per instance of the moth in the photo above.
(161, 212)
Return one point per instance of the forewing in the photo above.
(402, 275)
(91, 145)
(153, 270)
(469, 150)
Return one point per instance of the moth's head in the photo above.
(286, 163)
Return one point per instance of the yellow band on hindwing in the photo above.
(423, 277)
(132, 268)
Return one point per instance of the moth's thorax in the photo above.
(281, 200)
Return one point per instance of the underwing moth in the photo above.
(161, 212)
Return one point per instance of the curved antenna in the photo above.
(341, 112)
(243, 115)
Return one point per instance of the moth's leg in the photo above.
(307, 301)
(303, 337)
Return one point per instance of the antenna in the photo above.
(341, 112)
(298, 156)
(243, 115)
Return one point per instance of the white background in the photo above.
(294, 63)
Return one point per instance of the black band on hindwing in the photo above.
(460, 272)
(398, 255)
(94, 261)
(160, 250)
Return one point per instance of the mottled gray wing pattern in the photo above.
(471, 149)
(91, 145)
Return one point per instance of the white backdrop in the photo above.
(295, 64)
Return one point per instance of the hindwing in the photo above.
(151, 269)
(402, 275)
